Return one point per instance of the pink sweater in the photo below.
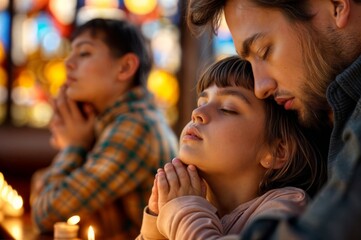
(193, 217)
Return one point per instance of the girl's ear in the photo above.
(278, 159)
(341, 10)
(129, 64)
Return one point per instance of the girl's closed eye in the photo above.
(228, 111)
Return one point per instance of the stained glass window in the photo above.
(4, 47)
(39, 43)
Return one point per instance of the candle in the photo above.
(13, 205)
(91, 234)
(67, 230)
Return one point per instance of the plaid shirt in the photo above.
(110, 185)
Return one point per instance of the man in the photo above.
(305, 54)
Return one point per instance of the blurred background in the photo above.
(34, 42)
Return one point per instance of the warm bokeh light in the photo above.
(40, 114)
(3, 86)
(164, 86)
(64, 13)
(102, 3)
(2, 52)
(26, 79)
(140, 7)
(11, 201)
(55, 74)
(88, 13)
(73, 220)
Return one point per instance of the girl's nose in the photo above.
(199, 116)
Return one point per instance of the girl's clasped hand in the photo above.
(175, 180)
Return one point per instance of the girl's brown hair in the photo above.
(306, 166)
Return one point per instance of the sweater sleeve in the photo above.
(149, 230)
(189, 217)
(193, 217)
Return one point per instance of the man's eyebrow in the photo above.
(246, 46)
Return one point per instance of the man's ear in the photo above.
(129, 64)
(278, 159)
(341, 10)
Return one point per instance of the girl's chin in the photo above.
(186, 159)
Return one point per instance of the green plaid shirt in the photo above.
(110, 185)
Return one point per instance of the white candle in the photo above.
(67, 230)
(91, 234)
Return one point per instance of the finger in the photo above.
(62, 106)
(172, 176)
(153, 200)
(74, 109)
(162, 185)
(181, 170)
(195, 179)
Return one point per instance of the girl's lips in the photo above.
(192, 133)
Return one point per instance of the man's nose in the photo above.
(264, 85)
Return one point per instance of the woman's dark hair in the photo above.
(121, 37)
(306, 165)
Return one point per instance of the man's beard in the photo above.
(323, 62)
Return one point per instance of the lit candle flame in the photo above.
(73, 220)
(91, 233)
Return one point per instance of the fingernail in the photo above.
(192, 167)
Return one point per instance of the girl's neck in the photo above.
(226, 196)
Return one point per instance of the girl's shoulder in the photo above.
(280, 203)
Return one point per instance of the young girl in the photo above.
(254, 159)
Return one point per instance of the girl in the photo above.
(254, 158)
